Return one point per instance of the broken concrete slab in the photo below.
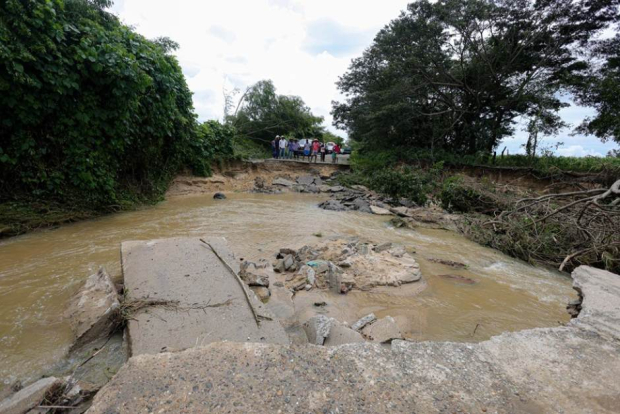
(282, 182)
(253, 274)
(600, 309)
(31, 396)
(380, 211)
(361, 324)
(209, 302)
(93, 310)
(318, 328)
(341, 334)
(383, 330)
(571, 369)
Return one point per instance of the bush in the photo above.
(465, 195)
(213, 142)
(90, 110)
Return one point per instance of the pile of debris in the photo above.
(323, 330)
(342, 265)
(312, 184)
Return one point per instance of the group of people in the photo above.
(296, 149)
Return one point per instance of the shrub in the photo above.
(90, 110)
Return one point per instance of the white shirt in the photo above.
(283, 143)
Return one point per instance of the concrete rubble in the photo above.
(568, 369)
(203, 300)
(93, 310)
(341, 265)
(31, 396)
(382, 330)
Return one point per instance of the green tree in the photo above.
(600, 89)
(262, 114)
(455, 75)
(89, 109)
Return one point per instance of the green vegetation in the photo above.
(456, 75)
(262, 114)
(94, 117)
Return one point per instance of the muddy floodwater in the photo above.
(39, 272)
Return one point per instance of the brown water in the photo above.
(39, 272)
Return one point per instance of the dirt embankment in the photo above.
(246, 176)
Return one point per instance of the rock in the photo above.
(401, 211)
(278, 266)
(219, 196)
(359, 188)
(414, 276)
(254, 275)
(289, 262)
(284, 251)
(398, 222)
(308, 287)
(459, 279)
(320, 304)
(319, 266)
(307, 180)
(397, 251)
(383, 247)
(341, 334)
(262, 293)
(93, 310)
(308, 274)
(363, 249)
(31, 396)
(282, 182)
(259, 183)
(363, 322)
(332, 205)
(380, 211)
(383, 330)
(317, 329)
(334, 278)
(313, 189)
(336, 189)
(362, 205)
(450, 263)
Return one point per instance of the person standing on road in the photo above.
(276, 147)
(307, 149)
(283, 145)
(291, 148)
(323, 151)
(316, 146)
(335, 153)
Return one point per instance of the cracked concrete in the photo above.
(568, 369)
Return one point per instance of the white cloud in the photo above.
(577, 151)
(303, 46)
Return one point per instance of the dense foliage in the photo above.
(601, 90)
(455, 75)
(262, 114)
(89, 109)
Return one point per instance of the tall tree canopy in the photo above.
(263, 114)
(601, 90)
(86, 105)
(455, 74)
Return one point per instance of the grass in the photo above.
(543, 165)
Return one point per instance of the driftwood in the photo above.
(588, 222)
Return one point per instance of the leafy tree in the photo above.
(601, 89)
(89, 109)
(263, 114)
(455, 75)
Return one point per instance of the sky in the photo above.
(303, 46)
